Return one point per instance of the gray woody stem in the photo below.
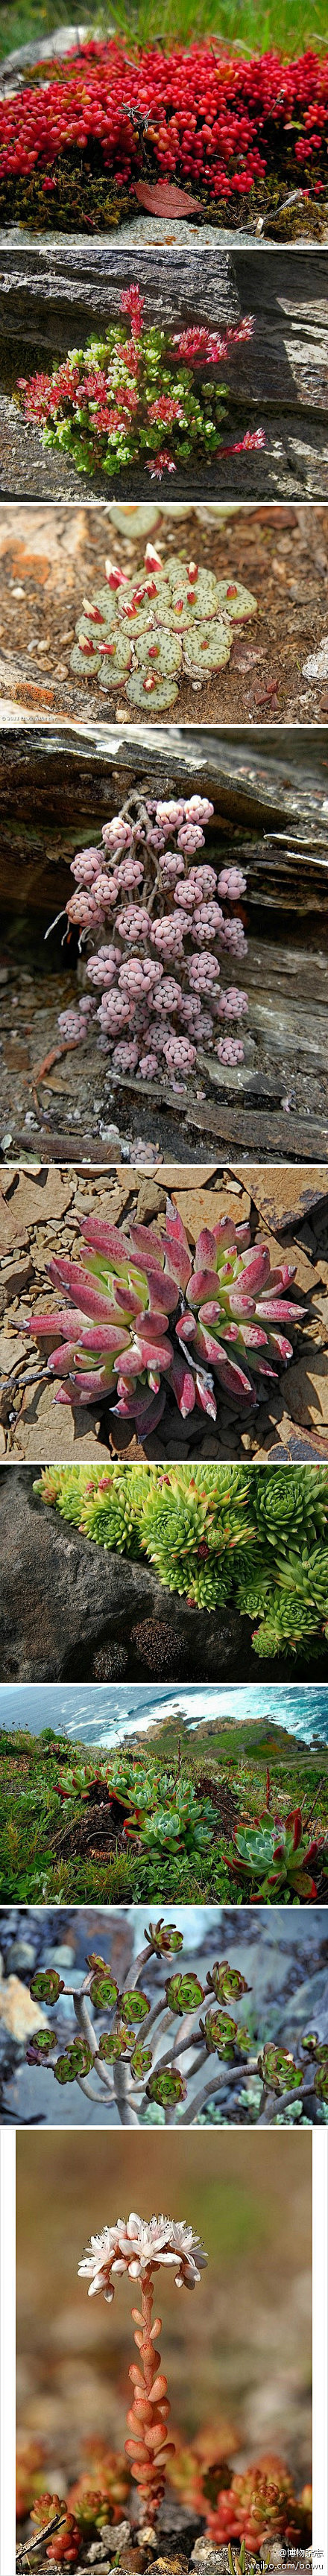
(128, 2114)
(232, 2073)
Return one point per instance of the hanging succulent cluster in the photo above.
(171, 620)
(155, 979)
(256, 1535)
(144, 1318)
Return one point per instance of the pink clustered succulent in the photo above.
(144, 1318)
(156, 990)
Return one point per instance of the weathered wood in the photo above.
(268, 1136)
(42, 764)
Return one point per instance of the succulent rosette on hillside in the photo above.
(144, 1318)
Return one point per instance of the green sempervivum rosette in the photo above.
(167, 2087)
(76, 2061)
(183, 1994)
(164, 1938)
(222, 2036)
(289, 1504)
(103, 1992)
(133, 2005)
(140, 2062)
(40, 2045)
(224, 1981)
(277, 2066)
(113, 2044)
(46, 1985)
(319, 2052)
(110, 1514)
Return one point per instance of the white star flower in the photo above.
(136, 2245)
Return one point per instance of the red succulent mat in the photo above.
(231, 135)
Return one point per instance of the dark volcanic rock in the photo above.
(65, 1601)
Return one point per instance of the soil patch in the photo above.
(226, 1806)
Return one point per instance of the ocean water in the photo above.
(103, 1715)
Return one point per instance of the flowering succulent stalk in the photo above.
(139, 2247)
(144, 1318)
(156, 990)
(116, 398)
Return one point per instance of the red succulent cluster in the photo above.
(98, 402)
(257, 2504)
(213, 121)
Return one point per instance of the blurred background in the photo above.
(238, 2350)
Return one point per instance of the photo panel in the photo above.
(163, 1320)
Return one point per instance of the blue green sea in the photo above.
(105, 1714)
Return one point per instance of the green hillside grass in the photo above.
(33, 1871)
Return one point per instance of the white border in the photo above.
(320, 2346)
(8, 2350)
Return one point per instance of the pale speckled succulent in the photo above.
(172, 621)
